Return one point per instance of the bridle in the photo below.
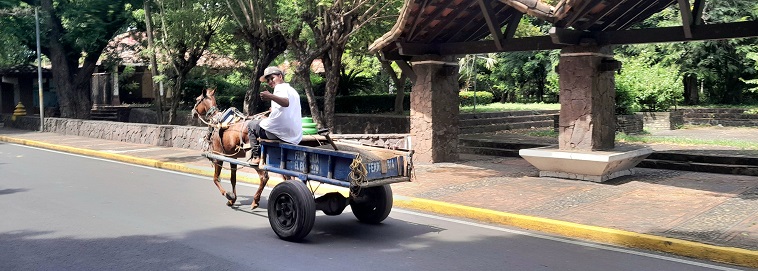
(211, 111)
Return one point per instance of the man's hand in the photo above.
(282, 101)
(266, 96)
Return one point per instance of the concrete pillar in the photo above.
(434, 109)
(587, 118)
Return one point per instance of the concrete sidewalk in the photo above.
(700, 215)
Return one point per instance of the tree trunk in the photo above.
(75, 102)
(303, 77)
(691, 96)
(176, 97)
(332, 64)
(263, 51)
(153, 64)
(399, 85)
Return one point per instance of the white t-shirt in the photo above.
(285, 122)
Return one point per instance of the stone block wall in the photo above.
(719, 116)
(186, 137)
(371, 124)
(662, 120)
(629, 124)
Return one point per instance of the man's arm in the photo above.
(282, 101)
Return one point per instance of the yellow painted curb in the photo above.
(323, 189)
(730, 255)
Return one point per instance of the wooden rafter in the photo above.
(697, 12)
(441, 27)
(482, 29)
(513, 24)
(638, 15)
(684, 8)
(407, 70)
(492, 23)
(465, 30)
(626, 11)
(581, 11)
(433, 16)
(636, 36)
(599, 17)
(418, 16)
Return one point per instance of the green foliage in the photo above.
(18, 35)
(475, 97)
(359, 104)
(352, 82)
(230, 87)
(502, 107)
(643, 86)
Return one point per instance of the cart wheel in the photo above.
(291, 210)
(374, 204)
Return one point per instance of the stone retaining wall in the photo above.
(719, 116)
(186, 137)
(662, 120)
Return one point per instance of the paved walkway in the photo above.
(701, 215)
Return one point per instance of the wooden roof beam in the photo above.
(566, 37)
(581, 11)
(510, 30)
(684, 7)
(433, 16)
(697, 12)
(599, 17)
(455, 15)
(489, 17)
(632, 20)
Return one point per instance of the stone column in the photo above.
(587, 96)
(434, 109)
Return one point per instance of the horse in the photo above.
(228, 142)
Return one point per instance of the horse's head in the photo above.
(205, 105)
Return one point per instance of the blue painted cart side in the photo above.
(329, 166)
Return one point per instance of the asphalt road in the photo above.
(67, 212)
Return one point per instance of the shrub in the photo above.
(468, 98)
(654, 87)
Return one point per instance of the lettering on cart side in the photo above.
(314, 167)
(299, 161)
(373, 167)
(392, 164)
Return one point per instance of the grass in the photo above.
(745, 145)
(500, 107)
(647, 139)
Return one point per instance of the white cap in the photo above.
(269, 71)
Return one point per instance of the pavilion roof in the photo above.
(455, 27)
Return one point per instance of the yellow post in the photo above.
(19, 111)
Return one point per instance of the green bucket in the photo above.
(307, 120)
(309, 125)
(310, 131)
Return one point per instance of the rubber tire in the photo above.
(376, 208)
(291, 210)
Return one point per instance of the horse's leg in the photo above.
(216, 180)
(263, 177)
(233, 180)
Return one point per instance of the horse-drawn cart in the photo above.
(367, 172)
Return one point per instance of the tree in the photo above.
(74, 35)
(323, 29)
(15, 25)
(185, 33)
(255, 21)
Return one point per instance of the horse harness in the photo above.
(219, 122)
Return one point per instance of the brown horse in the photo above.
(228, 143)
